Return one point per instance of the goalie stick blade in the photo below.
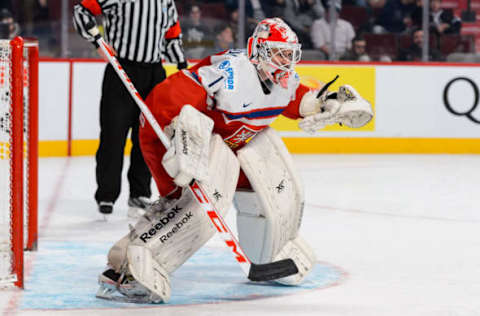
(272, 271)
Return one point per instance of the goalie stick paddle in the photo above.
(254, 272)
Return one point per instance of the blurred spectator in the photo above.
(254, 9)
(321, 35)
(6, 4)
(223, 39)
(197, 36)
(258, 13)
(37, 20)
(358, 52)
(414, 51)
(376, 4)
(395, 16)
(27, 11)
(233, 14)
(233, 5)
(46, 27)
(8, 27)
(441, 21)
(373, 8)
(250, 23)
(384, 58)
(273, 8)
(300, 15)
(357, 3)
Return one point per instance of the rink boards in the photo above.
(419, 108)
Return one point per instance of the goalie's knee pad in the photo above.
(269, 218)
(176, 233)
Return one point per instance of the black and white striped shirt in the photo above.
(138, 30)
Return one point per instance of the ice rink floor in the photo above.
(394, 235)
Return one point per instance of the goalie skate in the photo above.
(138, 206)
(122, 288)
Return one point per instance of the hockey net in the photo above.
(18, 155)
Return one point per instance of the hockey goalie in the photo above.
(217, 115)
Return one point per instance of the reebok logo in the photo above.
(160, 224)
(177, 227)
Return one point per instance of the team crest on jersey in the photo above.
(227, 68)
(242, 136)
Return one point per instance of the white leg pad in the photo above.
(303, 256)
(149, 273)
(269, 218)
(254, 229)
(175, 234)
(179, 239)
(117, 255)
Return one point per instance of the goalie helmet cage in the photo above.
(18, 155)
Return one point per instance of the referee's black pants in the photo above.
(118, 114)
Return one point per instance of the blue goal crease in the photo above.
(64, 276)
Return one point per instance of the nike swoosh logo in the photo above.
(247, 105)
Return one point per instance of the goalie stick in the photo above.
(254, 272)
(326, 86)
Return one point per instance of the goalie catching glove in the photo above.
(187, 157)
(346, 107)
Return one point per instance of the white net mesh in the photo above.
(6, 275)
(10, 198)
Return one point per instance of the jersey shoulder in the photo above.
(219, 74)
(231, 55)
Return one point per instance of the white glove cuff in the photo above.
(309, 105)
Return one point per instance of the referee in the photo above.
(140, 32)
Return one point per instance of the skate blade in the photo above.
(110, 294)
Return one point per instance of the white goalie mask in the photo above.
(275, 50)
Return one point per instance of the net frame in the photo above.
(22, 77)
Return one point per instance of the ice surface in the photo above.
(395, 235)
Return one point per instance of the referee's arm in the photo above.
(84, 14)
(172, 48)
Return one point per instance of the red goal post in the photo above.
(18, 155)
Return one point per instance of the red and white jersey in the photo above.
(232, 81)
(226, 87)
